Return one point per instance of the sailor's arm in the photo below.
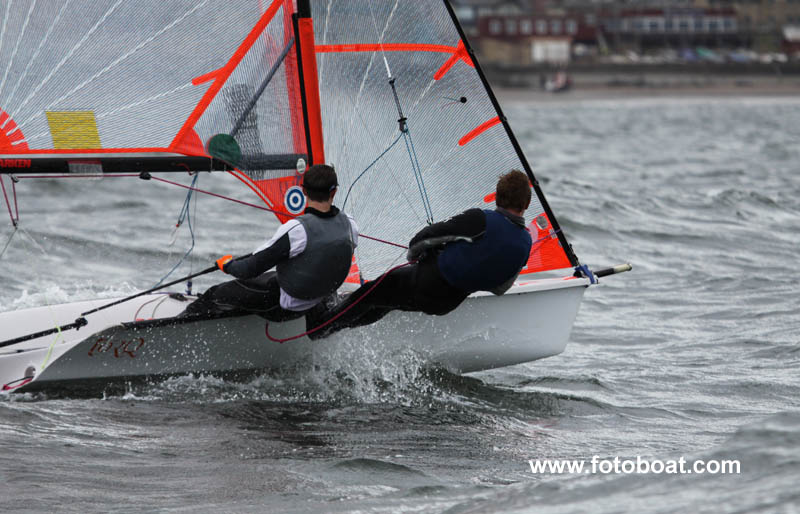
(353, 229)
(289, 240)
(469, 225)
(505, 286)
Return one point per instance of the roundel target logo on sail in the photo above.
(294, 200)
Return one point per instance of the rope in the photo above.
(105, 175)
(262, 208)
(383, 241)
(545, 238)
(196, 190)
(59, 335)
(16, 204)
(145, 304)
(583, 268)
(14, 384)
(8, 203)
(183, 216)
(8, 243)
(315, 329)
(367, 169)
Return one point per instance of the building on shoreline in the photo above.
(531, 32)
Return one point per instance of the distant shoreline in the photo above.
(632, 93)
(622, 84)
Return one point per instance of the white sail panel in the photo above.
(130, 63)
(460, 145)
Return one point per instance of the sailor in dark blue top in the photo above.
(490, 258)
(477, 250)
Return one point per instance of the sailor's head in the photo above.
(320, 183)
(514, 192)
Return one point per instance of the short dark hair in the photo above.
(513, 191)
(319, 181)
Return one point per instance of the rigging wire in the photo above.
(59, 334)
(16, 204)
(260, 207)
(356, 110)
(392, 173)
(8, 243)
(203, 191)
(184, 216)
(344, 204)
(412, 154)
(403, 121)
(14, 220)
(193, 257)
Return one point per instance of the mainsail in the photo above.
(382, 61)
(388, 91)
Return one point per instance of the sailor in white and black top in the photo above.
(311, 255)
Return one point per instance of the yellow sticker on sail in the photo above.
(73, 129)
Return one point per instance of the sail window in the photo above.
(73, 129)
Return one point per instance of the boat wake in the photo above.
(363, 376)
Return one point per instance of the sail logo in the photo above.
(294, 200)
(15, 163)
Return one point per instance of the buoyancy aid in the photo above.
(489, 261)
(324, 264)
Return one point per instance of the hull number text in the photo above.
(119, 349)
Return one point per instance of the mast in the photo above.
(573, 259)
(309, 82)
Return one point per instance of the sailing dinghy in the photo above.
(388, 91)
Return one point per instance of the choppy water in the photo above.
(695, 354)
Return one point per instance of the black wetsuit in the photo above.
(441, 278)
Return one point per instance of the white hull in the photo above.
(532, 321)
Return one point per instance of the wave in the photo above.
(768, 453)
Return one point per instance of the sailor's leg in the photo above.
(209, 303)
(433, 294)
(252, 296)
(368, 304)
(262, 296)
